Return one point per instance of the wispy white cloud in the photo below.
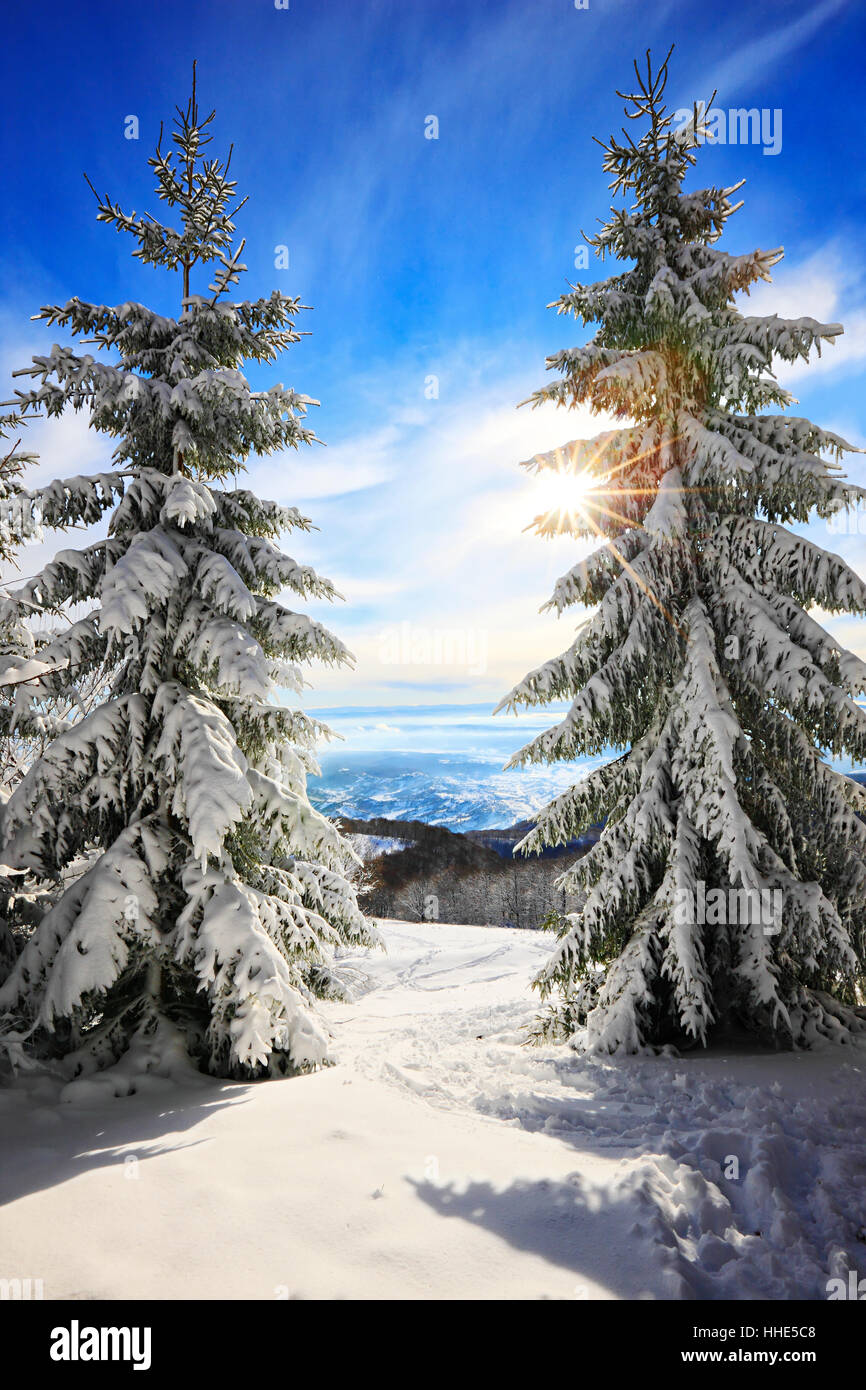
(753, 61)
(456, 580)
(313, 474)
(828, 286)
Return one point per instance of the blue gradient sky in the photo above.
(426, 257)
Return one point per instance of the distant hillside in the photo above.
(432, 849)
(454, 842)
(503, 841)
(445, 876)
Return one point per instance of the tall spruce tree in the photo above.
(21, 725)
(700, 663)
(212, 892)
(26, 719)
(19, 523)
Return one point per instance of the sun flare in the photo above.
(567, 494)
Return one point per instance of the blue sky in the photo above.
(426, 258)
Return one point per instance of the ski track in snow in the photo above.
(442, 1158)
(792, 1126)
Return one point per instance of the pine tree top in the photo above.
(174, 397)
(670, 336)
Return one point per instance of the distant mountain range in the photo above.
(457, 792)
(441, 766)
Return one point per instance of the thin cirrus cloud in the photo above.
(311, 475)
(763, 55)
(454, 571)
(828, 286)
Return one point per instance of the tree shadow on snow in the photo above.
(567, 1223)
(43, 1145)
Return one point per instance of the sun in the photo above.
(566, 496)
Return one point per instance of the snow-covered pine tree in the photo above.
(700, 663)
(25, 720)
(214, 893)
(19, 522)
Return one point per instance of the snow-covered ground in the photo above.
(443, 1158)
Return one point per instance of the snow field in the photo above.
(442, 1158)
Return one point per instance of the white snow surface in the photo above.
(441, 1158)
